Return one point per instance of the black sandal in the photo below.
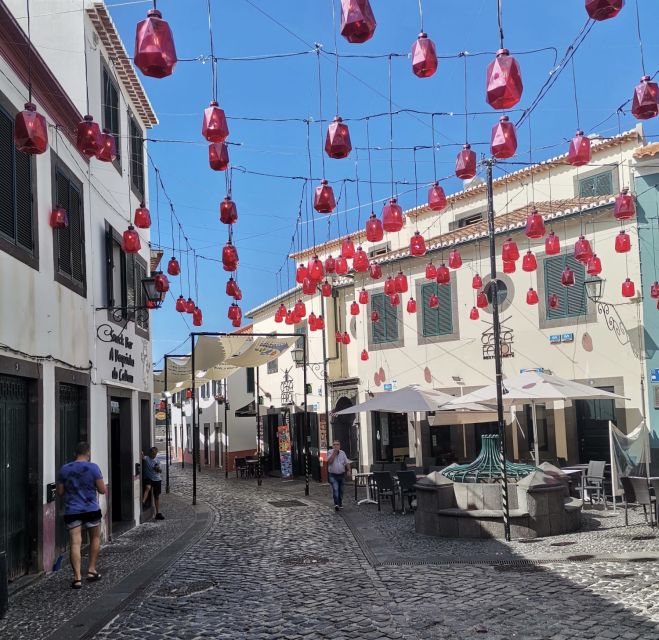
(76, 584)
(93, 576)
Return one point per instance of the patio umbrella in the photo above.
(532, 387)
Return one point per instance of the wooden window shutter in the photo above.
(77, 237)
(23, 194)
(391, 324)
(445, 311)
(378, 328)
(572, 299)
(430, 322)
(7, 218)
(63, 235)
(130, 280)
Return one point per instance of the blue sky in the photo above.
(607, 68)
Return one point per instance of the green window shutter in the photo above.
(445, 311)
(572, 300)
(378, 328)
(137, 157)
(7, 217)
(575, 297)
(77, 238)
(601, 184)
(63, 235)
(130, 281)
(111, 109)
(23, 193)
(391, 323)
(430, 316)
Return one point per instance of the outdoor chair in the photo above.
(406, 489)
(594, 481)
(241, 467)
(654, 487)
(628, 495)
(385, 487)
(377, 466)
(392, 467)
(644, 498)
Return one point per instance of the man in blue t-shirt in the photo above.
(152, 480)
(79, 483)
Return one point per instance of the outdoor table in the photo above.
(579, 471)
(369, 496)
(251, 467)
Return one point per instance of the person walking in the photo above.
(153, 479)
(79, 483)
(338, 466)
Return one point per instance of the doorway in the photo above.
(390, 436)
(344, 429)
(593, 418)
(218, 431)
(207, 439)
(121, 463)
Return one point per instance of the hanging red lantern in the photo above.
(644, 102)
(88, 140)
(228, 211)
(162, 405)
(504, 139)
(338, 337)
(180, 304)
(417, 245)
(308, 286)
(330, 264)
(231, 287)
(594, 266)
(604, 9)
(300, 273)
(196, 317)
(374, 230)
(579, 152)
(473, 314)
(654, 290)
(454, 259)
(131, 240)
(345, 338)
(400, 282)
(411, 305)
(433, 301)
(107, 152)
(375, 316)
(218, 156)
(239, 294)
(394, 299)
(341, 266)
(389, 286)
(279, 318)
(443, 274)
(323, 199)
(582, 250)
(320, 323)
(360, 261)
(509, 251)
(173, 267)
(161, 282)
(300, 309)
(436, 197)
(214, 124)
(465, 163)
(357, 21)
(567, 277)
(476, 282)
(315, 270)
(312, 321)
(628, 288)
(431, 271)
(424, 57)
(623, 243)
(142, 217)
(624, 207)
(364, 355)
(59, 219)
(531, 296)
(363, 296)
(229, 257)
(392, 216)
(326, 289)
(188, 394)
(347, 248)
(289, 319)
(337, 140)
(481, 300)
(189, 305)
(503, 81)
(553, 302)
(375, 271)
(30, 131)
(354, 309)
(529, 263)
(552, 244)
(155, 53)
(535, 225)
(237, 322)
(509, 266)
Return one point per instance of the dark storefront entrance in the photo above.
(121, 460)
(297, 434)
(593, 427)
(344, 429)
(391, 442)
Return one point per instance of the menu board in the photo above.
(284, 436)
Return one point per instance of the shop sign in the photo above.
(120, 357)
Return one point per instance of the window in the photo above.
(69, 242)
(136, 158)
(250, 380)
(379, 250)
(436, 322)
(385, 330)
(572, 301)
(111, 112)
(600, 184)
(17, 222)
(273, 366)
(465, 221)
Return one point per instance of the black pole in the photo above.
(258, 429)
(226, 428)
(307, 432)
(325, 380)
(494, 291)
(166, 432)
(194, 424)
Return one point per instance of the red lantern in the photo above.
(363, 296)
(374, 230)
(131, 240)
(436, 197)
(375, 316)
(180, 304)
(214, 124)
(354, 309)
(504, 139)
(155, 53)
(228, 211)
(411, 305)
(531, 296)
(88, 139)
(30, 131)
(594, 266)
(330, 264)
(364, 355)
(196, 317)
(142, 217)
(239, 294)
(315, 270)
(604, 9)
(529, 263)
(431, 271)
(107, 152)
(567, 277)
(473, 314)
(235, 312)
(375, 271)
(337, 141)
(218, 156)
(300, 274)
(476, 282)
(623, 243)
(345, 338)
(628, 289)
(161, 282)
(553, 301)
(236, 323)
(59, 219)
(320, 323)
(341, 266)
(424, 57)
(312, 321)
(654, 290)
(400, 282)
(443, 274)
(150, 304)
(417, 245)
(433, 301)
(323, 200)
(624, 207)
(162, 405)
(188, 394)
(394, 299)
(454, 259)
(481, 300)
(357, 20)
(360, 261)
(308, 286)
(644, 102)
(389, 286)
(582, 250)
(326, 289)
(173, 267)
(189, 305)
(535, 225)
(229, 257)
(231, 287)
(289, 319)
(300, 309)
(509, 266)
(579, 152)
(509, 251)
(338, 337)
(279, 317)
(392, 216)
(347, 248)
(552, 244)
(465, 163)
(503, 81)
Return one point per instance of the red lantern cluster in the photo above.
(155, 53)
(375, 271)
(623, 243)
(454, 259)
(88, 137)
(315, 270)
(229, 257)
(131, 240)
(161, 282)
(357, 21)
(473, 314)
(411, 305)
(360, 261)
(228, 211)
(531, 296)
(624, 207)
(443, 274)
(348, 248)
(529, 262)
(552, 244)
(594, 266)
(509, 251)
(579, 152)
(481, 300)
(218, 156)
(431, 271)
(465, 163)
(107, 151)
(374, 230)
(567, 277)
(417, 245)
(535, 225)
(582, 250)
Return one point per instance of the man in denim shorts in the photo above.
(79, 483)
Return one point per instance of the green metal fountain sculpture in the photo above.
(487, 466)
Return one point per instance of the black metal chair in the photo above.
(406, 488)
(385, 487)
(241, 467)
(654, 487)
(594, 481)
(643, 497)
(628, 495)
(392, 467)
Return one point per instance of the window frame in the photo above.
(135, 187)
(587, 175)
(107, 76)
(393, 344)
(455, 316)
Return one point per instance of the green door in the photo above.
(14, 478)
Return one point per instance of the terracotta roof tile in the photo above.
(647, 151)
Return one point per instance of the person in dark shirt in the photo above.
(152, 480)
(79, 483)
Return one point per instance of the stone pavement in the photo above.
(277, 565)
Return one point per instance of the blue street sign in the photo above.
(387, 386)
(654, 375)
(555, 339)
(567, 337)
